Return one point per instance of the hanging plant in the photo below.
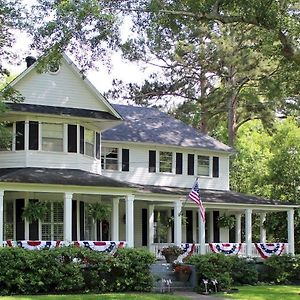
(99, 211)
(226, 221)
(35, 211)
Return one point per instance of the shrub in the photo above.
(71, 269)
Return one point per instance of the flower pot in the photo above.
(182, 276)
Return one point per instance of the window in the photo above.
(6, 138)
(178, 163)
(152, 161)
(20, 133)
(203, 165)
(89, 136)
(72, 138)
(81, 140)
(165, 161)
(8, 220)
(215, 166)
(125, 160)
(98, 144)
(52, 137)
(191, 162)
(53, 224)
(109, 158)
(33, 135)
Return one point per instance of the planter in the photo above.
(170, 258)
(183, 276)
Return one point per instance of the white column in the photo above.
(68, 216)
(194, 226)
(151, 227)
(238, 228)
(177, 222)
(248, 231)
(263, 232)
(129, 220)
(211, 226)
(1, 217)
(115, 219)
(201, 234)
(291, 235)
(169, 236)
(65, 138)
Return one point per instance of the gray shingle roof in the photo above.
(149, 125)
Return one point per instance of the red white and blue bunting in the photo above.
(225, 248)
(34, 245)
(268, 249)
(107, 247)
(188, 250)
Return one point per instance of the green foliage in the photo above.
(227, 270)
(35, 210)
(226, 221)
(282, 269)
(99, 211)
(71, 269)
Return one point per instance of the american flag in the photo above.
(194, 195)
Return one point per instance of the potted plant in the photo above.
(183, 272)
(171, 253)
(225, 221)
(35, 210)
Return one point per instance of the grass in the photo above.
(266, 292)
(96, 296)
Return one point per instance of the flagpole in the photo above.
(186, 199)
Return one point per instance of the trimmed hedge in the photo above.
(227, 270)
(74, 270)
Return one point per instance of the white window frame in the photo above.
(209, 165)
(43, 124)
(86, 143)
(104, 159)
(171, 169)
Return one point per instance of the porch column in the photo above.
(263, 232)
(201, 233)
(211, 226)
(177, 222)
(169, 236)
(194, 226)
(238, 228)
(1, 217)
(129, 220)
(68, 216)
(291, 237)
(115, 219)
(151, 227)
(248, 231)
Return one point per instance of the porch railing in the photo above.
(156, 249)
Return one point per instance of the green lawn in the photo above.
(266, 292)
(98, 297)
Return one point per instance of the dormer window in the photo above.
(53, 68)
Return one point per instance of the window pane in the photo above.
(52, 137)
(152, 161)
(165, 162)
(89, 142)
(203, 165)
(178, 163)
(6, 138)
(109, 158)
(20, 130)
(215, 166)
(72, 138)
(8, 220)
(33, 135)
(125, 159)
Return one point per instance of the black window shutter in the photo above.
(125, 160)
(215, 166)
(191, 162)
(72, 138)
(152, 161)
(33, 135)
(178, 163)
(81, 140)
(97, 145)
(20, 132)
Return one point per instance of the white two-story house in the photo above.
(71, 147)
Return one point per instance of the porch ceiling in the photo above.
(213, 196)
(59, 176)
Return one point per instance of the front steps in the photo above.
(165, 280)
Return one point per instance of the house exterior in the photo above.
(70, 147)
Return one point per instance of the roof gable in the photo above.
(66, 88)
(149, 125)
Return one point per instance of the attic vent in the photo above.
(53, 68)
(30, 60)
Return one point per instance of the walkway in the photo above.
(195, 296)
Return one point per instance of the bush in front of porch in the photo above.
(72, 269)
(226, 270)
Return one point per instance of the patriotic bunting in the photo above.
(268, 249)
(188, 250)
(225, 248)
(34, 245)
(107, 247)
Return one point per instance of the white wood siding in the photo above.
(64, 89)
(138, 168)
